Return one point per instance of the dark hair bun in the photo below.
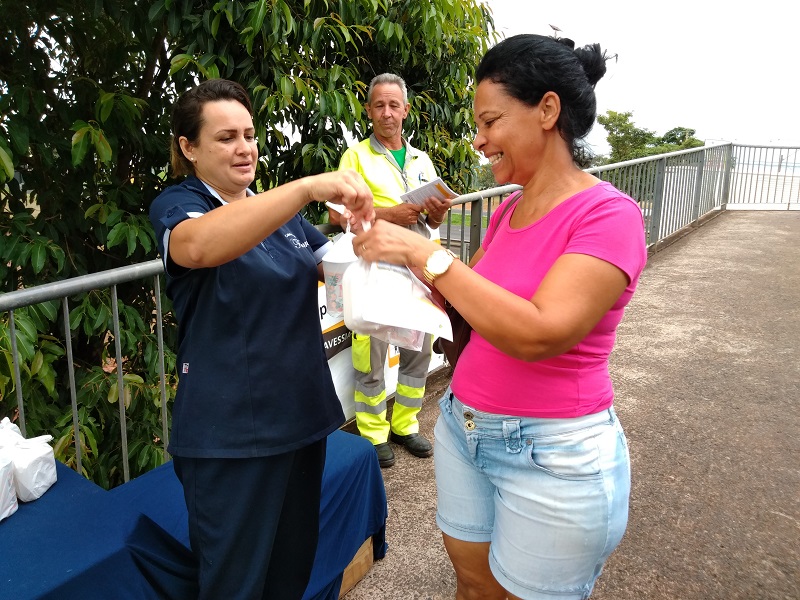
(593, 60)
(566, 42)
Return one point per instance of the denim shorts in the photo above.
(550, 495)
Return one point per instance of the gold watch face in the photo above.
(438, 262)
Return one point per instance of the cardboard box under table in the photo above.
(80, 541)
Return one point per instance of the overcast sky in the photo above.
(729, 70)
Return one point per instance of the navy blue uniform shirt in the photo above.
(254, 380)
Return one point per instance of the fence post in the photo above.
(162, 374)
(123, 422)
(73, 393)
(726, 182)
(658, 201)
(475, 224)
(698, 185)
(12, 330)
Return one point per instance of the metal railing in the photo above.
(63, 290)
(675, 191)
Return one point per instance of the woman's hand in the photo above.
(345, 187)
(391, 243)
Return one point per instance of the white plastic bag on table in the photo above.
(34, 467)
(334, 264)
(8, 494)
(7, 425)
(33, 461)
(10, 435)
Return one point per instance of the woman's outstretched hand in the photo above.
(394, 244)
(345, 187)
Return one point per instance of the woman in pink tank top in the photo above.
(532, 467)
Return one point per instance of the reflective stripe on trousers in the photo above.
(369, 359)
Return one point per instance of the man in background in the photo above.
(391, 167)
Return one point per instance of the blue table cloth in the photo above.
(79, 541)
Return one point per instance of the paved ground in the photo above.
(706, 369)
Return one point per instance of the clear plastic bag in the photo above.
(390, 303)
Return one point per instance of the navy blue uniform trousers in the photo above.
(254, 522)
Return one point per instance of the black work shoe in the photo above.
(414, 443)
(385, 455)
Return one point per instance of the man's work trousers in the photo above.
(369, 358)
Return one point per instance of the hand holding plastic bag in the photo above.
(389, 302)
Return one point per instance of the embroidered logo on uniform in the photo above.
(185, 368)
(295, 242)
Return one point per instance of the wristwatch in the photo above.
(437, 264)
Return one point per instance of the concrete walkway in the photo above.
(706, 369)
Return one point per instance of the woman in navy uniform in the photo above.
(255, 401)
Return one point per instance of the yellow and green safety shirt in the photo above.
(387, 180)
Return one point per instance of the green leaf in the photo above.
(131, 237)
(156, 12)
(25, 327)
(90, 438)
(101, 318)
(80, 144)
(339, 104)
(18, 134)
(47, 377)
(106, 105)
(49, 309)
(287, 15)
(38, 255)
(179, 62)
(145, 241)
(92, 209)
(334, 73)
(102, 147)
(7, 164)
(286, 86)
(75, 317)
(144, 458)
(37, 362)
(117, 234)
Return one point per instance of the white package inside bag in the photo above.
(8, 494)
(389, 302)
(334, 264)
(33, 461)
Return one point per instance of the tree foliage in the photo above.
(484, 177)
(628, 142)
(85, 95)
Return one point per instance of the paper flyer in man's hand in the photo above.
(436, 188)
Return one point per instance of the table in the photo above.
(80, 541)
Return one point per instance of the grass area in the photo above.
(456, 219)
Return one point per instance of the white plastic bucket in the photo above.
(334, 264)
